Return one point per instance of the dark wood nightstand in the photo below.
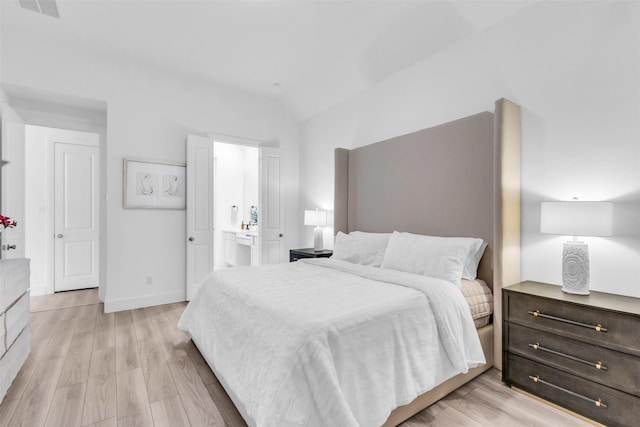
(296, 254)
(581, 352)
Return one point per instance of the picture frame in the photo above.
(148, 184)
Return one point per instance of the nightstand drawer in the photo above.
(607, 367)
(594, 326)
(293, 257)
(582, 396)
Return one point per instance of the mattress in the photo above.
(480, 299)
(324, 342)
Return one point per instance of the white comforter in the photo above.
(327, 343)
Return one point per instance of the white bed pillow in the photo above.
(440, 257)
(476, 250)
(361, 248)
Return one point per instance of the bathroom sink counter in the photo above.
(241, 247)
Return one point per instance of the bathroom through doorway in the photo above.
(236, 205)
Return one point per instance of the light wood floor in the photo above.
(64, 300)
(135, 368)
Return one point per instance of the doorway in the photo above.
(62, 208)
(263, 242)
(236, 210)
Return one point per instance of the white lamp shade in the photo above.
(317, 218)
(576, 218)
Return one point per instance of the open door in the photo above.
(271, 226)
(13, 182)
(200, 188)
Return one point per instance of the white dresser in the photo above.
(15, 336)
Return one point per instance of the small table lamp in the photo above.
(576, 218)
(319, 219)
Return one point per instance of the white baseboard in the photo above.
(111, 305)
(38, 290)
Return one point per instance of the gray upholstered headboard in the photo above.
(437, 181)
(457, 179)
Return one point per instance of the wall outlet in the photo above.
(148, 280)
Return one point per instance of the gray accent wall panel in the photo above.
(437, 181)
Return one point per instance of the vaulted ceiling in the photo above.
(311, 55)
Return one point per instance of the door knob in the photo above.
(280, 235)
(60, 236)
(191, 239)
(9, 247)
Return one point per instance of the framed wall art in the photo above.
(153, 185)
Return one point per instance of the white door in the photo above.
(13, 182)
(271, 225)
(200, 188)
(76, 219)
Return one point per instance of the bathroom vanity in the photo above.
(241, 247)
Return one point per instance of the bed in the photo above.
(329, 342)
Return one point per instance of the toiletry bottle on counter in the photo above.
(242, 226)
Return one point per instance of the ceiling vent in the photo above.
(46, 7)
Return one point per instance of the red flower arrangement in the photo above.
(6, 222)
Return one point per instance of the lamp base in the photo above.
(317, 239)
(575, 268)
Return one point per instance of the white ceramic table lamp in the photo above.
(576, 218)
(319, 219)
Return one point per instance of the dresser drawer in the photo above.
(616, 330)
(577, 394)
(607, 367)
(13, 359)
(14, 280)
(17, 318)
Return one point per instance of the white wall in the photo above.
(3, 99)
(251, 183)
(149, 112)
(574, 67)
(36, 209)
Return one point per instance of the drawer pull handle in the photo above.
(597, 365)
(598, 402)
(597, 328)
